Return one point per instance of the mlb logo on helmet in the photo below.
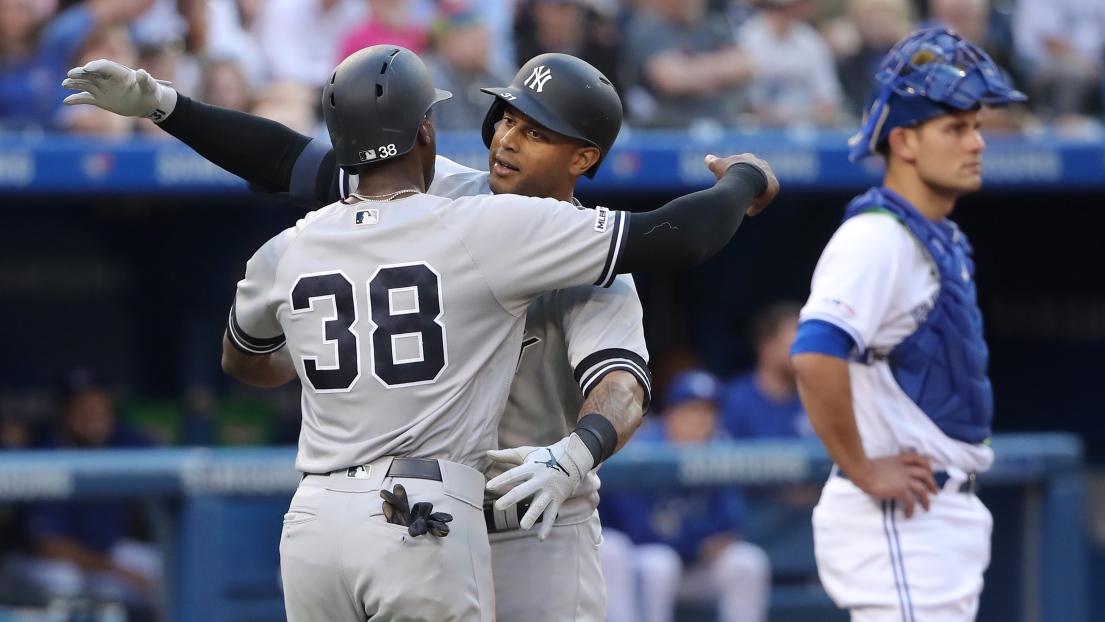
(367, 155)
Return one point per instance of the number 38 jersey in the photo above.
(404, 319)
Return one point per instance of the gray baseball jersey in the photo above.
(405, 318)
(573, 338)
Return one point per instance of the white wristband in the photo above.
(165, 105)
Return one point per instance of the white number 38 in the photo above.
(387, 151)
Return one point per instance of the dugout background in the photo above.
(137, 281)
(141, 285)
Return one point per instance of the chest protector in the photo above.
(941, 366)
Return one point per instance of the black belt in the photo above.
(416, 468)
(969, 486)
(519, 509)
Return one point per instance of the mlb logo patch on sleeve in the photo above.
(368, 217)
(602, 216)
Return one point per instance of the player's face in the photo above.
(90, 417)
(948, 152)
(691, 422)
(775, 351)
(529, 159)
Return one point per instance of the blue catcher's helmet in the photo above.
(930, 73)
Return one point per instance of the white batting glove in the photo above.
(551, 472)
(120, 89)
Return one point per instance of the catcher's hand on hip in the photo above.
(120, 89)
(552, 473)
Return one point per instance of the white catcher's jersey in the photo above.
(876, 282)
(404, 318)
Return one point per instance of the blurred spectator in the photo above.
(35, 53)
(292, 103)
(174, 31)
(390, 22)
(15, 432)
(572, 27)
(167, 61)
(201, 411)
(225, 84)
(301, 39)
(764, 403)
(664, 547)
(795, 80)
(459, 64)
(740, 11)
(165, 21)
(971, 18)
(1063, 44)
(111, 40)
(231, 37)
(878, 25)
(26, 88)
(83, 548)
(498, 16)
(681, 65)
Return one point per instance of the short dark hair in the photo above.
(79, 381)
(767, 322)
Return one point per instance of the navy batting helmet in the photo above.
(374, 103)
(692, 384)
(566, 95)
(930, 73)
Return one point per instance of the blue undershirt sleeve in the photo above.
(823, 337)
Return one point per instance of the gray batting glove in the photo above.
(120, 89)
(552, 473)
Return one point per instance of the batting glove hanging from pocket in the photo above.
(552, 473)
(419, 520)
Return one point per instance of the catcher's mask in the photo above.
(928, 74)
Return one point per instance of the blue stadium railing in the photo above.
(640, 161)
(219, 511)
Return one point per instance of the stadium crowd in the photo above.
(682, 64)
(695, 65)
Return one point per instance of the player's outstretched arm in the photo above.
(690, 229)
(265, 153)
(259, 370)
(608, 418)
(824, 384)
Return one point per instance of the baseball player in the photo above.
(580, 338)
(890, 356)
(415, 394)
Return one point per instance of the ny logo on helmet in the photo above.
(538, 78)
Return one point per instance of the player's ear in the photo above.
(583, 159)
(902, 143)
(426, 134)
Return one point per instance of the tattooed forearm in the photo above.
(619, 398)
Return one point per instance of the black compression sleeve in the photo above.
(690, 229)
(260, 151)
